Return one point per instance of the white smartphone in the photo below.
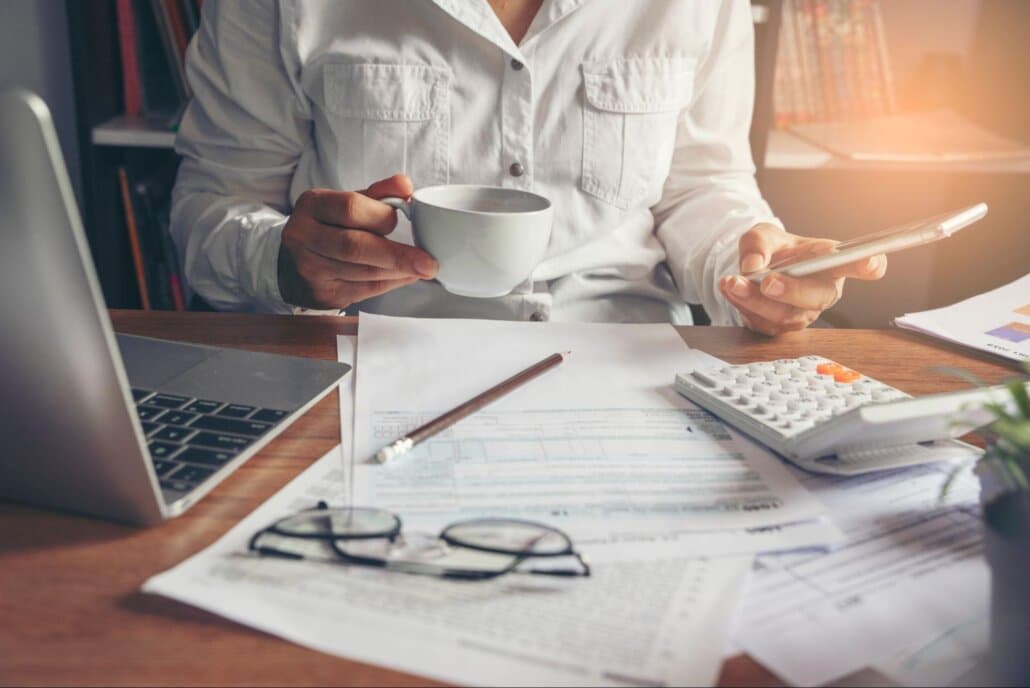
(888, 241)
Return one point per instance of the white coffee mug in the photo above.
(487, 239)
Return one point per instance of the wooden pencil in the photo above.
(441, 423)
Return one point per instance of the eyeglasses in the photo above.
(476, 549)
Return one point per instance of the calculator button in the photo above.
(704, 379)
(828, 368)
(847, 376)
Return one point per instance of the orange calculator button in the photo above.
(829, 368)
(846, 376)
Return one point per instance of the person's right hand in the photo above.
(335, 252)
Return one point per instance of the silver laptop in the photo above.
(125, 428)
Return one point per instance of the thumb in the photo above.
(398, 185)
(758, 244)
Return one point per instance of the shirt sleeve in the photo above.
(710, 197)
(240, 140)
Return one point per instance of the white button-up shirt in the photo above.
(631, 116)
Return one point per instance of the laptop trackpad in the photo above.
(152, 363)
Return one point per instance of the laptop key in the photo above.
(224, 442)
(171, 434)
(172, 401)
(162, 450)
(208, 457)
(176, 418)
(269, 415)
(203, 406)
(192, 474)
(140, 394)
(231, 425)
(235, 411)
(148, 412)
(176, 485)
(149, 427)
(163, 468)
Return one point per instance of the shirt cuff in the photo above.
(259, 263)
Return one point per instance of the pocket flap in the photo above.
(640, 85)
(405, 93)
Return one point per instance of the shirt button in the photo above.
(516, 65)
(537, 316)
(516, 169)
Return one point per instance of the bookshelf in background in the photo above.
(127, 61)
(833, 63)
(833, 87)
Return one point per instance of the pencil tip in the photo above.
(565, 354)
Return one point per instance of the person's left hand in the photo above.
(782, 303)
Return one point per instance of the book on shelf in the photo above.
(145, 201)
(832, 63)
(834, 87)
(153, 37)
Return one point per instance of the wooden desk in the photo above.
(70, 604)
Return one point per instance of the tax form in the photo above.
(600, 446)
(910, 571)
(630, 623)
(812, 533)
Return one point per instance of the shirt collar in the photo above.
(550, 13)
(480, 17)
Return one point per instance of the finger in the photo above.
(352, 292)
(355, 246)
(314, 267)
(804, 249)
(758, 244)
(351, 209)
(807, 293)
(869, 269)
(759, 324)
(748, 299)
(398, 185)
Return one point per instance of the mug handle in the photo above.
(398, 203)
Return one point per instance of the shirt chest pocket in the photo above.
(630, 111)
(389, 119)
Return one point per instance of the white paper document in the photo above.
(637, 623)
(910, 570)
(997, 322)
(819, 532)
(601, 446)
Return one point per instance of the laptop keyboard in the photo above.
(190, 439)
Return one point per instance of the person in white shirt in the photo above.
(631, 116)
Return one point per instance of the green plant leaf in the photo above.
(1016, 432)
(1018, 388)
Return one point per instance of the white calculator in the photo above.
(828, 418)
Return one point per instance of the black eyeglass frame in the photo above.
(391, 534)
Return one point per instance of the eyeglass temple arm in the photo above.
(585, 571)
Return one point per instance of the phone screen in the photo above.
(886, 241)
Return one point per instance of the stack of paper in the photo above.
(997, 322)
(669, 504)
(906, 592)
(601, 447)
(635, 623)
